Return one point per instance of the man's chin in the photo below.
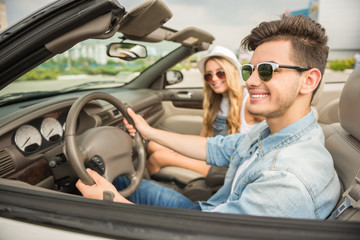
(267, 115)
(257, 113)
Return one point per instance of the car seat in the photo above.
(343, 142)
(193, 185)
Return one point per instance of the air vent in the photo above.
(6, 163)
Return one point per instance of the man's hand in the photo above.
(188, 145)
(96, 191)
(140, 123)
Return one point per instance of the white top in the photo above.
(224, 109)
(245, 127)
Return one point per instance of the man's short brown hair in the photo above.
(307, 37)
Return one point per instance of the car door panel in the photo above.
(182, 111)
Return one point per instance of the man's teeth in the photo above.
(258, 95)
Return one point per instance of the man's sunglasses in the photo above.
(220, 74)
(266, 70)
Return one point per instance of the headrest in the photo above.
(349, 105)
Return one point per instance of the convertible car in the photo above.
(67, 74)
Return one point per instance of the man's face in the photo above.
(275, 98)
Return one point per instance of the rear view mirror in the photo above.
(126, 51)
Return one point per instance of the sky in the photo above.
(228, 20)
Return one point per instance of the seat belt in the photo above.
(351, 198)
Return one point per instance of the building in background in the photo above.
(3, 17)
(341, 20)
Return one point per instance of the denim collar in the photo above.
(285, 136)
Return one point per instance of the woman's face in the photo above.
(217, 84)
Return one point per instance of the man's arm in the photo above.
(97, 190)
(188, 145)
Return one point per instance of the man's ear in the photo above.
(311, 79)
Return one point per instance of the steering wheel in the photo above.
(105, 149)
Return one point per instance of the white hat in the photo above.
(221, 52)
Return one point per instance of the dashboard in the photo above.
(40, 133)
(32, 135)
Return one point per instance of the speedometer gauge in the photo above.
(51, 129)
(27, 138)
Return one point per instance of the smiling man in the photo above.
(281, 168)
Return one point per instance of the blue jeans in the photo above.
(151, 193)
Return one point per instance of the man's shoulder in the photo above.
(309, 145)
(307, 157)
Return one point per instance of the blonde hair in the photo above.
(211, 103)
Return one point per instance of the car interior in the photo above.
(45, 164)
(56, 164)
(342, 140)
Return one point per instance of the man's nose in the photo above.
(254, 79)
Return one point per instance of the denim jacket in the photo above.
(292, 175)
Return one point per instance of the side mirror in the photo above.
(173, 77)
(126, 51)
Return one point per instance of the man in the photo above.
(281, 168)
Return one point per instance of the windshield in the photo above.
(84, 66)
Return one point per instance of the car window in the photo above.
(190, 71)
(84, 66)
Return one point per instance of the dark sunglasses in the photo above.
(220, 74)
(266, 70)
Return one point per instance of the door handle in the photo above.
(184, 95)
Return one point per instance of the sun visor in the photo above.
(97, 28)
(145, 18)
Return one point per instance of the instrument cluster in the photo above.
(40, 133)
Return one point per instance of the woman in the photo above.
(225, 105)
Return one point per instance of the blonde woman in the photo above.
(225, 105)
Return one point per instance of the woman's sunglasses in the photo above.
(220, 74)
(266, 70)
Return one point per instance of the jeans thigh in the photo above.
(154, 194)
